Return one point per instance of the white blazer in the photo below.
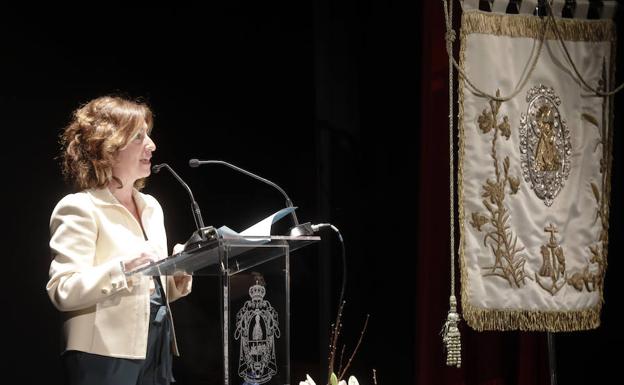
(91, 234)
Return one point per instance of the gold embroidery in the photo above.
(479, 220)
(600, 142)
(546, 156)
(553, 263)
(592, 276)
(508, 263)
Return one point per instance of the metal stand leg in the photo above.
(552, 358)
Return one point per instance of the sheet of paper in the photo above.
(263, 228)
(260, 229)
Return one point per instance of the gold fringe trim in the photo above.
(551, 321)
(532, 26)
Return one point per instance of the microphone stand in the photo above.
(297, 229)
(200, 235)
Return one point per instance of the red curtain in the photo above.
(488, 358)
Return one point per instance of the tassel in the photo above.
(451, 337)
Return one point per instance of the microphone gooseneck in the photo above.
(199, 222)
(197, 163)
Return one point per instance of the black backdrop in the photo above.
(289, 90)
(323, 98)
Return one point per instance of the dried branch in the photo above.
(341, 357)
(356, 348)
(334, 340)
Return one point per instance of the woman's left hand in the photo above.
(182, 281)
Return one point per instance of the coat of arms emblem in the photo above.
(257, 328)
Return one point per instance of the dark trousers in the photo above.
(83, 368)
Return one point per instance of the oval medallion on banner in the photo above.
(544, 144)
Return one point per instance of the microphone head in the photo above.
(194, 163)
(302, 229)
(156, 168)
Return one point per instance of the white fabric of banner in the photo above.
(534, 173)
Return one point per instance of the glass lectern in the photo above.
(255, 299)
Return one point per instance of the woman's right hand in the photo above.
(144, 259)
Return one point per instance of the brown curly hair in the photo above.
(98, 130)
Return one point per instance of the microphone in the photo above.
(297, 229)
(198, 235)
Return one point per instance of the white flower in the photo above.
(352, 381)
(308, 381)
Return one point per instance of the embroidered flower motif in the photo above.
(494, 191)
(479, 220)
(485, 121)
(505, 128)
(514, 184)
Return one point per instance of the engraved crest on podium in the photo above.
(257, 327)
(545, 147)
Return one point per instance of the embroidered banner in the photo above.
(534, 172)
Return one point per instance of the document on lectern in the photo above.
(234, 244)
(258, 232)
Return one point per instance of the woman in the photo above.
(118, 328)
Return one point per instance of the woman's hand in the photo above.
(144, 259)
(181, 280)
(178, 248)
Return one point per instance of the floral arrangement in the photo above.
(336, 377)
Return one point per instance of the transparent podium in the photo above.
(255, 299)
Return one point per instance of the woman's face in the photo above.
(133, 162)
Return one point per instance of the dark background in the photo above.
(344, 104)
